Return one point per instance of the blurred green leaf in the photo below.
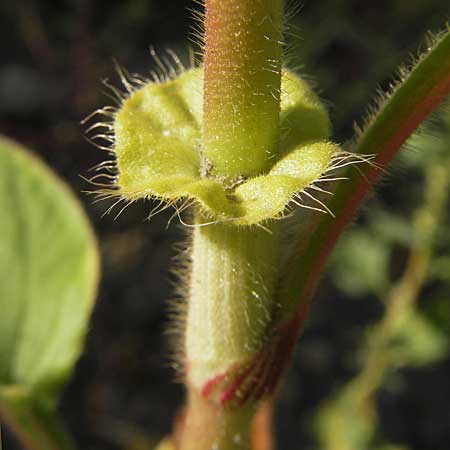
(359, 264)
(347, 421)
(391, 228)
(440, 268)
(418, 342)
(37, 427)
(437, 309)
(49, 273)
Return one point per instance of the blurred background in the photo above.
(54, 55)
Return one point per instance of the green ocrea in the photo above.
(158, 137)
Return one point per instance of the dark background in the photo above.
(54, 55)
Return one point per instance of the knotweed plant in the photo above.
(244, 145)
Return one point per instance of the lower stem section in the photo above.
(234, 271)
(228, 328)
(208, 426)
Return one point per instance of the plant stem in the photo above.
(242, 86)
(230, 310)
(424, 89)
(208, 427)
(234, 269)
(233, 274)
(379, 359)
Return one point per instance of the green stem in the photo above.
(234, 269)
(233, 275)
(208, 427)
(378, 359)
(422, 91)
(402, 297)
(230, 309)
(242, 86)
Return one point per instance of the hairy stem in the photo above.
(242, 86)
(234, 269)
(379, 358)
(423, 90)
(233, 274)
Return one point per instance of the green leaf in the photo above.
(440, 268)
(436, 308)
(346, 421)
(158, 148)
(417, 342)
(49, 273)
(391, 228)
(426, 86)
(359, 264)
(37, 427)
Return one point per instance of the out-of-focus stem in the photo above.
(404, 294)
(400, 302)
(424, 89)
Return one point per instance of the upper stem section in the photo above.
(242, 86)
